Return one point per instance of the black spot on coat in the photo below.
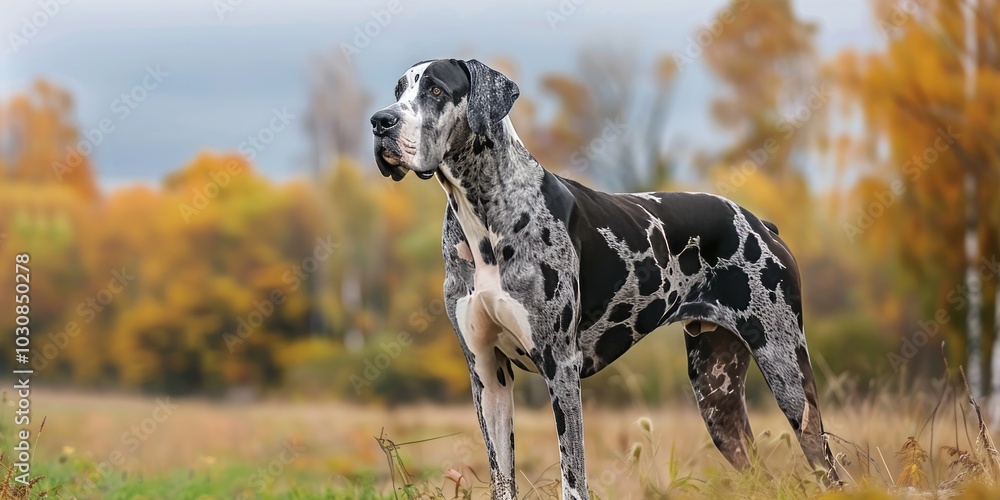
(613, 343)
(486, 251)
(507, 252)
(549, 363)
(650, 317)
(567, 317)
(522, 222)
(481, 143)
(723, 246)
(550, 280)
(560, 417)
(689, 262)
(771, 275)
(751, 249)
(621, 312)
(731, 287)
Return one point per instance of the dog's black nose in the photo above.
(383, 121)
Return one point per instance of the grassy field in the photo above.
(107, 446)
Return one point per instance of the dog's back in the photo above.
(648, 259)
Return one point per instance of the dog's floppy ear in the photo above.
(491, 95)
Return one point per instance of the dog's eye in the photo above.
(399, 88)
(436, 90)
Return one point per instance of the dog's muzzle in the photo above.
(388, 156)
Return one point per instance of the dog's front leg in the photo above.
(492, 393)
(561, 371)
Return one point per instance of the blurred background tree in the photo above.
(928, 103)
(609, 125)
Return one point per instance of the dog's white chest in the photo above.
(489, 317)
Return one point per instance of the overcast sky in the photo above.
(227, 69)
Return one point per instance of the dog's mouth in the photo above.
(390, 162)
(390, 159)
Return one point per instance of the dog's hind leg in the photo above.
(785, 364)
(717, 365)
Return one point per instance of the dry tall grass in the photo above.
(892, 442)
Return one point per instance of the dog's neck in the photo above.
(488, 171)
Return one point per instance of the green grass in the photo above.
(896, 445)
(82, 478)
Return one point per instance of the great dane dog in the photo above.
(561, 280)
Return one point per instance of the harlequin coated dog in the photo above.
(559, 279)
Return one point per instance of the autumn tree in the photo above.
(611, 119)
(41, 144)
(47, 198)
(772, 106)
(764, 56)
(930, 101)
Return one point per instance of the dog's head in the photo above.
(437, 103)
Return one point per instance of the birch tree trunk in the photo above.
(337, 104)
(974, 286)
(992, 49)
(973, 320)
(995, 360)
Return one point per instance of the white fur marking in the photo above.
(409, 132)
(508, 126)
(464, 253)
